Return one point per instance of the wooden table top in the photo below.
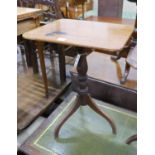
(23, 13)
(95, 35)
(90, 129)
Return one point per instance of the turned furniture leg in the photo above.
(74, 108)
(126, 73)
(83, 98)
(42, 64)
(131, 139)
(93, 106)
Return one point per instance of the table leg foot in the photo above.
(71, 112)
(93, 106)
(131, 139)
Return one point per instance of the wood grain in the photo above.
(27, 19)
(24, 13)
(31, 100)
(25, 26)
(96, 35)
(111, 20)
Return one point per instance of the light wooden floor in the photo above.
(30, 89)
(101, 67)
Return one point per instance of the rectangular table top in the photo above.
(96, 35)
(84, 133)
(23, 12)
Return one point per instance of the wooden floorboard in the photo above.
(31, 100)
(101, 67)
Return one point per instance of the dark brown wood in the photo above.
(26, 3)
(114, 94)
(110, 8)
(62, 68)
(83, 98)
(117, 56)
(70, 113)
(28, 53)
(104, 81)
(131, 139)
(34, 60)
(42, 64)
(54, 11)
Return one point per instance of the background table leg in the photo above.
(42, 64)
(62, 64)
(28, 53)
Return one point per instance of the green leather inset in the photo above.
(87, 133)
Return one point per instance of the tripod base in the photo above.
(83, 100)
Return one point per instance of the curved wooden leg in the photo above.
(131, 139)
(92, 105)
(74, 108)
(126, 73)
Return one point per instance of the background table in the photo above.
(27, 19)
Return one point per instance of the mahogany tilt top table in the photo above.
(86, 34)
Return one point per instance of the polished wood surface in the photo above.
(80, 33)
(24, 13)
(103, 36)
(111, 20)
(101, 67)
